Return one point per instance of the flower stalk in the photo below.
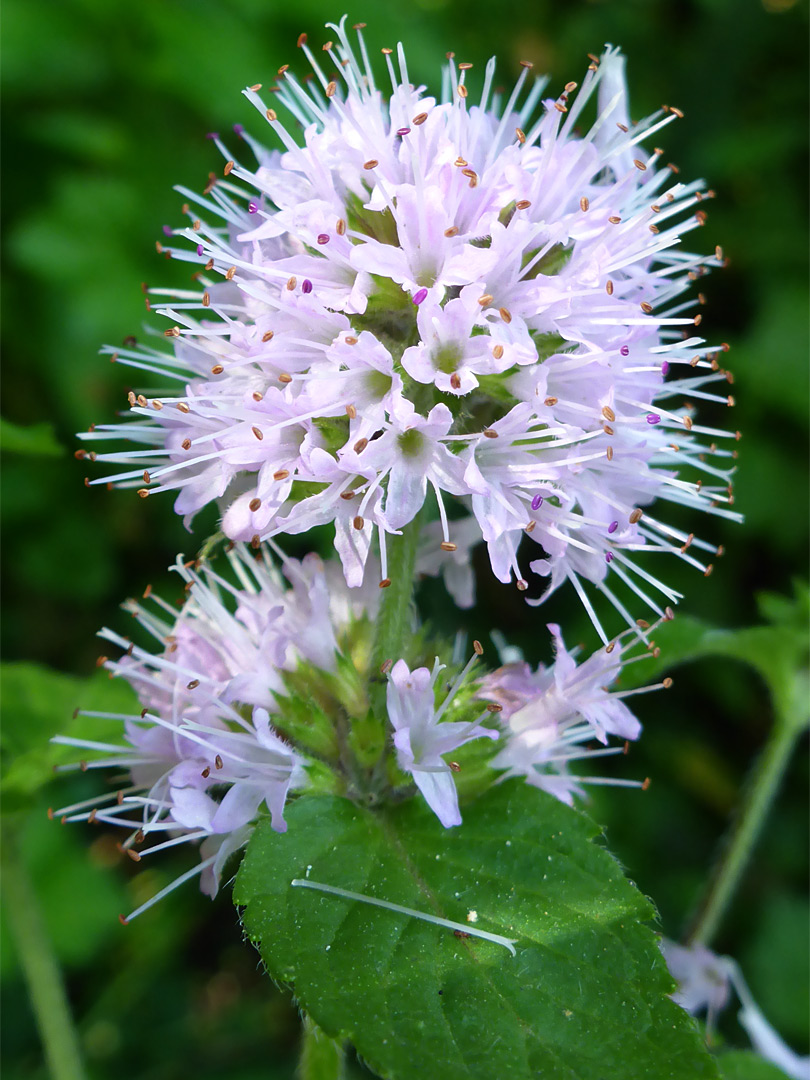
(321, 1058)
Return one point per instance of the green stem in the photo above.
(40, 967)
(758, 795)
(321, 1058)
(396, 606)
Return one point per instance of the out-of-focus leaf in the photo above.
(39, 703)
(584, 998)
(37, 439)
(746, 1065)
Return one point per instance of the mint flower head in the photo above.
(461, 298)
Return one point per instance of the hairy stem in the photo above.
(758, 795)
(40, 966)
(396, 607)
(321, 1058)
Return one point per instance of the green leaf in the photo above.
(39, 703)
(36, 439)
(584, 998)
(746, 1065)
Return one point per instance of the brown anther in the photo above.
(642, 624)
(530, 526)
(673, 168)
(131, 398)
(452, 231)
(158, 247)
(558, 105)
(218, 762)
(639, 165)
(549, 401)
(206, 299)
(347, 495)
(521, 585)
(254, 505)
(291, 283)
(284, 378)
(687, 423)
(623, 127)
(196, 224)
(570, 87)
(206, 772)
(731, 401)
(609, 453)
(497, 351)
(635, 516)
(609, 287)
(420, 118)
(455, 381)
(255, 88)
(386, 666)
(646, 784)
(700, 217)
(230, 273)
(327, 47)
(454, 766)
(147, 479)
(350, 340)
(485, 300)
(255, 542)
(209, 265)
(386, 52)
(174, 332)
(493, 707)
(193, 684)
(678, 112)
(462, 90)
(133, 855)
(470, 173)
(526, 64)
(360, 445)
(385, 583)
(228, 168)
(302, 40)
(142, 401)
(282, 474)
(592, 58)
(505, 314)
(689, 540)
(460, 162)
(608, 430)
(358, 523)
(720, 552)
(143, 493)
(101, 661)
(584, 203)
(708, 570)
(351, 412)
(608, 413)
(371, 164)
(521, 135)
(653, 228)
(490, 434)
(615, 219)
(340, 226)
(523, 204)
(217, 369)
(182, 407)
(258, 433)
(447, 545)
(79, 454)
(646, 307)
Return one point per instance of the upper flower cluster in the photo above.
(423, 297)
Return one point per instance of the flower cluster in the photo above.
(222, 737)
(417, 298)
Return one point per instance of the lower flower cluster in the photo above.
(263, 686)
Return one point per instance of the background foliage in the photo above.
(106, 106)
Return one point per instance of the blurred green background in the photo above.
(105, 107)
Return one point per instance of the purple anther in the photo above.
(537, 502)
(199, 249)
(420, 296)
(665, 368)
(653, 418)
(167, 230)
(323, 238)
(402, 132)
(625, 350)
(613, 526)
(212, 135)
(608, 556)
(306, 286)
(239, 130)
(253, 208)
